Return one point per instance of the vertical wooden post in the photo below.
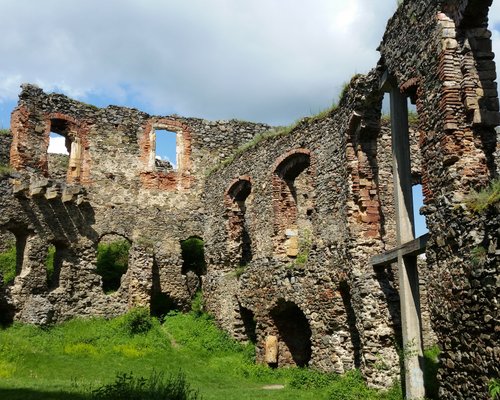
(407, 265)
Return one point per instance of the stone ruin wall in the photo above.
(290, 224)
(116, 193)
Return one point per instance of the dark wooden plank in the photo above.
(412, 248)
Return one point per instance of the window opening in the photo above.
(64, 153)
(418, 202)
(56, 253)
(112, 261)
(294, 332)
(294, 204)
(166, 154)
(8, 257)
(240, 241)
(193, 256)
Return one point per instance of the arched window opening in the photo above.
(112, 261)
(193, 263)
(240, 243)
(64, 154)
(293, 203)
(193, 256)
(56, 253)
(249, 324)
(294, 334)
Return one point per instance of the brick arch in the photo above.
(293, 200)
(174, 180)
(76, 132)
(25, 129)
(239, 240)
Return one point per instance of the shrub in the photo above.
(156, 387)
(136, 321)
(5, 170)
(8, 264)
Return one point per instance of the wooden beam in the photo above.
(412, 248)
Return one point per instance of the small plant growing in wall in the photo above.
(494, 389)
(478, 256)
(239, 270)
(305, 244)
(479, 201)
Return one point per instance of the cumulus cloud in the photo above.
(57, 145)
(261, 60)
(265, 60)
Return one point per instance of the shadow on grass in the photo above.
(32, 394)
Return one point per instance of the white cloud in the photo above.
(264, 60)
(57, 145)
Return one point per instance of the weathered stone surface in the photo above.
(291, 223)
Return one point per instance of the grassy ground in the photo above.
(69, 360)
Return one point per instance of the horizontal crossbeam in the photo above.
(413, 248)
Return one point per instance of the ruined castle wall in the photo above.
(109, 189)
(444, 52)
(291, 221)
(342, 297)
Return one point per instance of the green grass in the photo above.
(4, 131)
(70, 360)
(480, 201)
(431, 357)
(8, 265)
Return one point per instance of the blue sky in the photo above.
(259, 60)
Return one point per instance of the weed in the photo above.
(5, 170)
(80, 349)
(8, 264)
(5, 132)
(494, 389)
(480, 201)
(310, 379)
(197, 304)
(238, 271)
(156, 387)
(478, 256)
